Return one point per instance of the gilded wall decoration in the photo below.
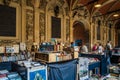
(29, 25)
(29, 3)
(8, 42)
(67, 29)
(43, 4)
(94, 32)
(67, 11)
(42, 27)
(16, 1)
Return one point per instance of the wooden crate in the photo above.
(54, 56)
(45, 57)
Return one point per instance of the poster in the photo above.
(22, 46)
(2, 49)
(83, 68)
(37, 73)
(16, 48)
(9, 49)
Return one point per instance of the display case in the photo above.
(115, 58)
(83, 70)
(37, 72)
(115, 70)
(54, 56)
(7, 73)
(102, 64)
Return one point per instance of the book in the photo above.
(14, 76)
(4, 71)
(4, 78)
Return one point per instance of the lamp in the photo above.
(97, 5)
(115, 15)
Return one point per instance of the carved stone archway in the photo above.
(79, 32)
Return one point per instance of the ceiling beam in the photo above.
(77, 8)
(110, 12)
(114, 19)
(105, 3)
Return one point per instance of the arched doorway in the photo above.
(80, 32)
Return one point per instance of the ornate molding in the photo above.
(8, 42)
(42, 29)
(54, 5)
(29, 25)
(67, 29)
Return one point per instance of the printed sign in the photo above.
(37, 73)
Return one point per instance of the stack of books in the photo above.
(6, 75)
(13, 76)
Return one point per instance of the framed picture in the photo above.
(37, 73)
(10, 23)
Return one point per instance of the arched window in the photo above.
(98, 30)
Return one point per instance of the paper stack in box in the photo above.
(28, 64)
(13, 76)
(4, 78)
(4, 71)
(3, 75)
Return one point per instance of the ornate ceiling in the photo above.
(108, 8)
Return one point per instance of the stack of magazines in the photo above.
(6, 75)
(13, 76)
(3, 74)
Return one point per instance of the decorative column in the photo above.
(91, 35)
(102, 34)
(71, 27)
(107, 29)
(64, 29)
(113, 36)
(36, 21)
(23, 16)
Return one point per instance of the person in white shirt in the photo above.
(100, 48)
(84, 48)
(108, 45)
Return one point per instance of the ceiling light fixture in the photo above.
(115, 15)
(97, 5)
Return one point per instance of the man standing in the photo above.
(108, 51)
